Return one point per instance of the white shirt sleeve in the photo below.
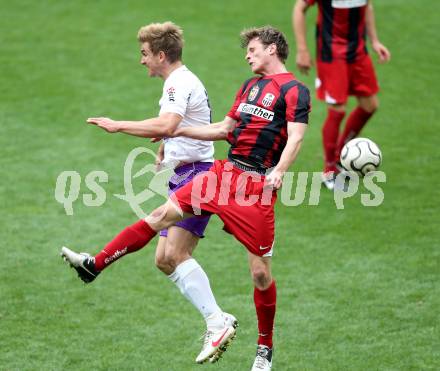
(175, 98)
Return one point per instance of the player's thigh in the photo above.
(363, 80)
(197, 196)
(253, 226)
(180, 244)
(332, 83)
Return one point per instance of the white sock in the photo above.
(193, 283)
(174, 277)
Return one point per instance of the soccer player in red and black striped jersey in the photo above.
(265, 127)
(343, 67)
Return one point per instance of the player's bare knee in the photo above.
(375, 105)
(369, 104)
(169, 260)
(162, 264)
(171, 256)
(161, 218)
(174, 257)
(371, 108)
(261, 277)
(156, 218)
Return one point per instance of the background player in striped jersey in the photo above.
(343, 67)
(184, 103)
(265, 127)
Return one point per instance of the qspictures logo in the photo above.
(69, 184)
(299, 188)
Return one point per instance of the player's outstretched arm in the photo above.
(295, 132)
(303, 60)
(381, 50)
(162, 126)
(217, 131)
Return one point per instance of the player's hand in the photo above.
(105, 123)
(274, 179)
(304, 61)
(177, 133)
(382, 51)
(155, 140)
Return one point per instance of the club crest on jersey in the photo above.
(171, 94)
(253, 93)
(268, 99)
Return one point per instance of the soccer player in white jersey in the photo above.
(184, 103)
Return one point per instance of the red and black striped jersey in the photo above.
(263, 106)
(340, 29)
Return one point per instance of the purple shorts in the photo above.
(183, 175)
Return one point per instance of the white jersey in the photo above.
(184, 94)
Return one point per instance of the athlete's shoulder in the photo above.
(294, 80)
(301, 85)
(182, 76)
(184, 81)
(293, 87)
(285, 81)
(247, 83)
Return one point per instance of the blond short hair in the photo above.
(267, 35)
(166, 37)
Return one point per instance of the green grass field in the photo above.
(358, 289)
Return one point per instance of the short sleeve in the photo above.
(176, 95)
(310, 2)
(298, 104)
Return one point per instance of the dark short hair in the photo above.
(267, 35)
